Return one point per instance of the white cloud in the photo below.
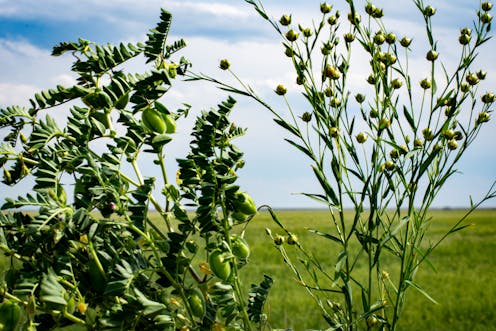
(16, 94)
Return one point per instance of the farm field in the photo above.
(462, 282)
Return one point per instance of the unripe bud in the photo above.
(331, 72)
(389, 165)
(427, 133)
(306, 117)
(291, 35)
(328, 92)
(472, 79)
(429, 11)
(405, 42)
(458, 135)
(361, 137)
(325, 8)
(335, 102)
(449, 134)
(281, 89)
(289, 52)
(486, 18)
(464, 87)
(464, 39)
(396, 83)
(349, 37)
(390, 38)
(384, 123)
(487, 6)
(466, 31)
(285, 20)
(481, 74)
(488, 98)
(292, 239)
(379, 38)
(373, 113)
(394, 154)
(300, 80)
(354, 19)
(452, 145)
(371, 80)
(483, 117)
(378, 13)
(334, 132)
(432, 55)
(278, 240)
(332, 20)
(326, 48)
(425, 84)
(370, 8)
(306, 32)
(418, 143)
(224, 64)
(360, 98)
(389, 58)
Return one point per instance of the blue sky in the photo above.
(229, 29)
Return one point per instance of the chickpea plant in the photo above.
(97, 261)
(387, 151)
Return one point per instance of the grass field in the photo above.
(463, 282)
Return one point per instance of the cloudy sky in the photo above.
(231, 29)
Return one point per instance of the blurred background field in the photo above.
(462, 282)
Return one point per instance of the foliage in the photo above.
(95, 259)
(393, 147)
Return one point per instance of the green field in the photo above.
(463, 282)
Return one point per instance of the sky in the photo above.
(274, 173)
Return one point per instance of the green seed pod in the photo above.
(224, 64)
(10, 315)
(360, 98)
(281, 90)
(170, 124)
(361, 137)
(432, 55)
(292, 35)
(405, 42)
(240, 248)
(374, 113)
(219, 265)
(325, 8)
(196, 302)
(425, 84)
(244, 203)
(486, 6)
(153, 120)
(390, 38)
